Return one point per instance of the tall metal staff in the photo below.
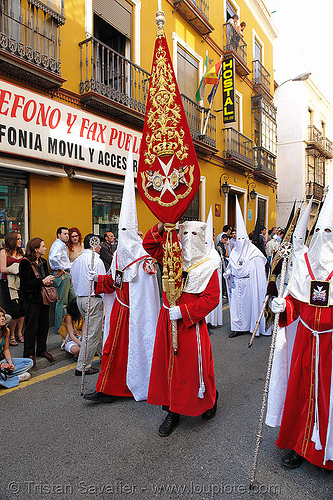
(275, 270)
(93, 243)
(285, 251)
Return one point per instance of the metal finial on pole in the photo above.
(160, 19)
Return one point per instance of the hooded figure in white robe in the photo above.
(128, 350)
(215, 317)
(307, 425)
(246, 282)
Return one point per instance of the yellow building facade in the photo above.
(74, 79)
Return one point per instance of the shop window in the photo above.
(106, 205)
(12, 211)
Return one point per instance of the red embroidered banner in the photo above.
(168, 171)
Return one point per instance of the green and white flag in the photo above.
(200, 94)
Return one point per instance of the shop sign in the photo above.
(38, 127)
(228, 90)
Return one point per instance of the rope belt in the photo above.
(202, 387)
(315, 434)
(122, 303)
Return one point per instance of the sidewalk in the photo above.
(53, 347)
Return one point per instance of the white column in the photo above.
(226, 197)
(203, 197)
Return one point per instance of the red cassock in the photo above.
(112, 379)
(174, 380)
(299, 407)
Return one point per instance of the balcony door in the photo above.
(257, 57)
(187, 73)
(113, 28)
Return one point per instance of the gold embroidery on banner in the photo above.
(164, 116)
(145, 176)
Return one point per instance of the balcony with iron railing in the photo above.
(235, 46)
(318, 143)
(196, 12)
(112, 83)
(203, 131)
(237, 149)
(264, 163)
(30, 42)
(261, 79)
(314, 189)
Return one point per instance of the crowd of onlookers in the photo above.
(25, 284)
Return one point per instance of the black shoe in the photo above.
(99, 397)
(232, 335)
(292, 460)
(322, 469)
(46, 355)
(170, 422)
(211, 412)
(90, 371)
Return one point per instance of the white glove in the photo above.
(278, 305)
(174, 313)
(92, 276)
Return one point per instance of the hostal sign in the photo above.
(228, 86)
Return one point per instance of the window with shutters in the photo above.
(187, 73)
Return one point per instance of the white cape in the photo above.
(215, 317)
(144, 302)
(108, 304)
(280, 374)
(246, 287)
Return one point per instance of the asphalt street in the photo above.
(55, 445)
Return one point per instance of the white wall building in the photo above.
(304, 147)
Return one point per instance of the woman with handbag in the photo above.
(10, 257)
(12, 370)
(35, 278)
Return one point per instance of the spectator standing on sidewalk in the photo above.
(80, 269)
(34, 274)
(108, 247)
(61, 266)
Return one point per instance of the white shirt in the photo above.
(58, 256)
(80, 268)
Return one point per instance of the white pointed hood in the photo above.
(244, 250)
(129, 246)
(209, 239)
(209, 236)
(299, 236)
(200, 270)
(320, 253)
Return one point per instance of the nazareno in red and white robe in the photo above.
(176, 380)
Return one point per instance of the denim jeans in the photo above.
(21, 365)
(64, 285)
